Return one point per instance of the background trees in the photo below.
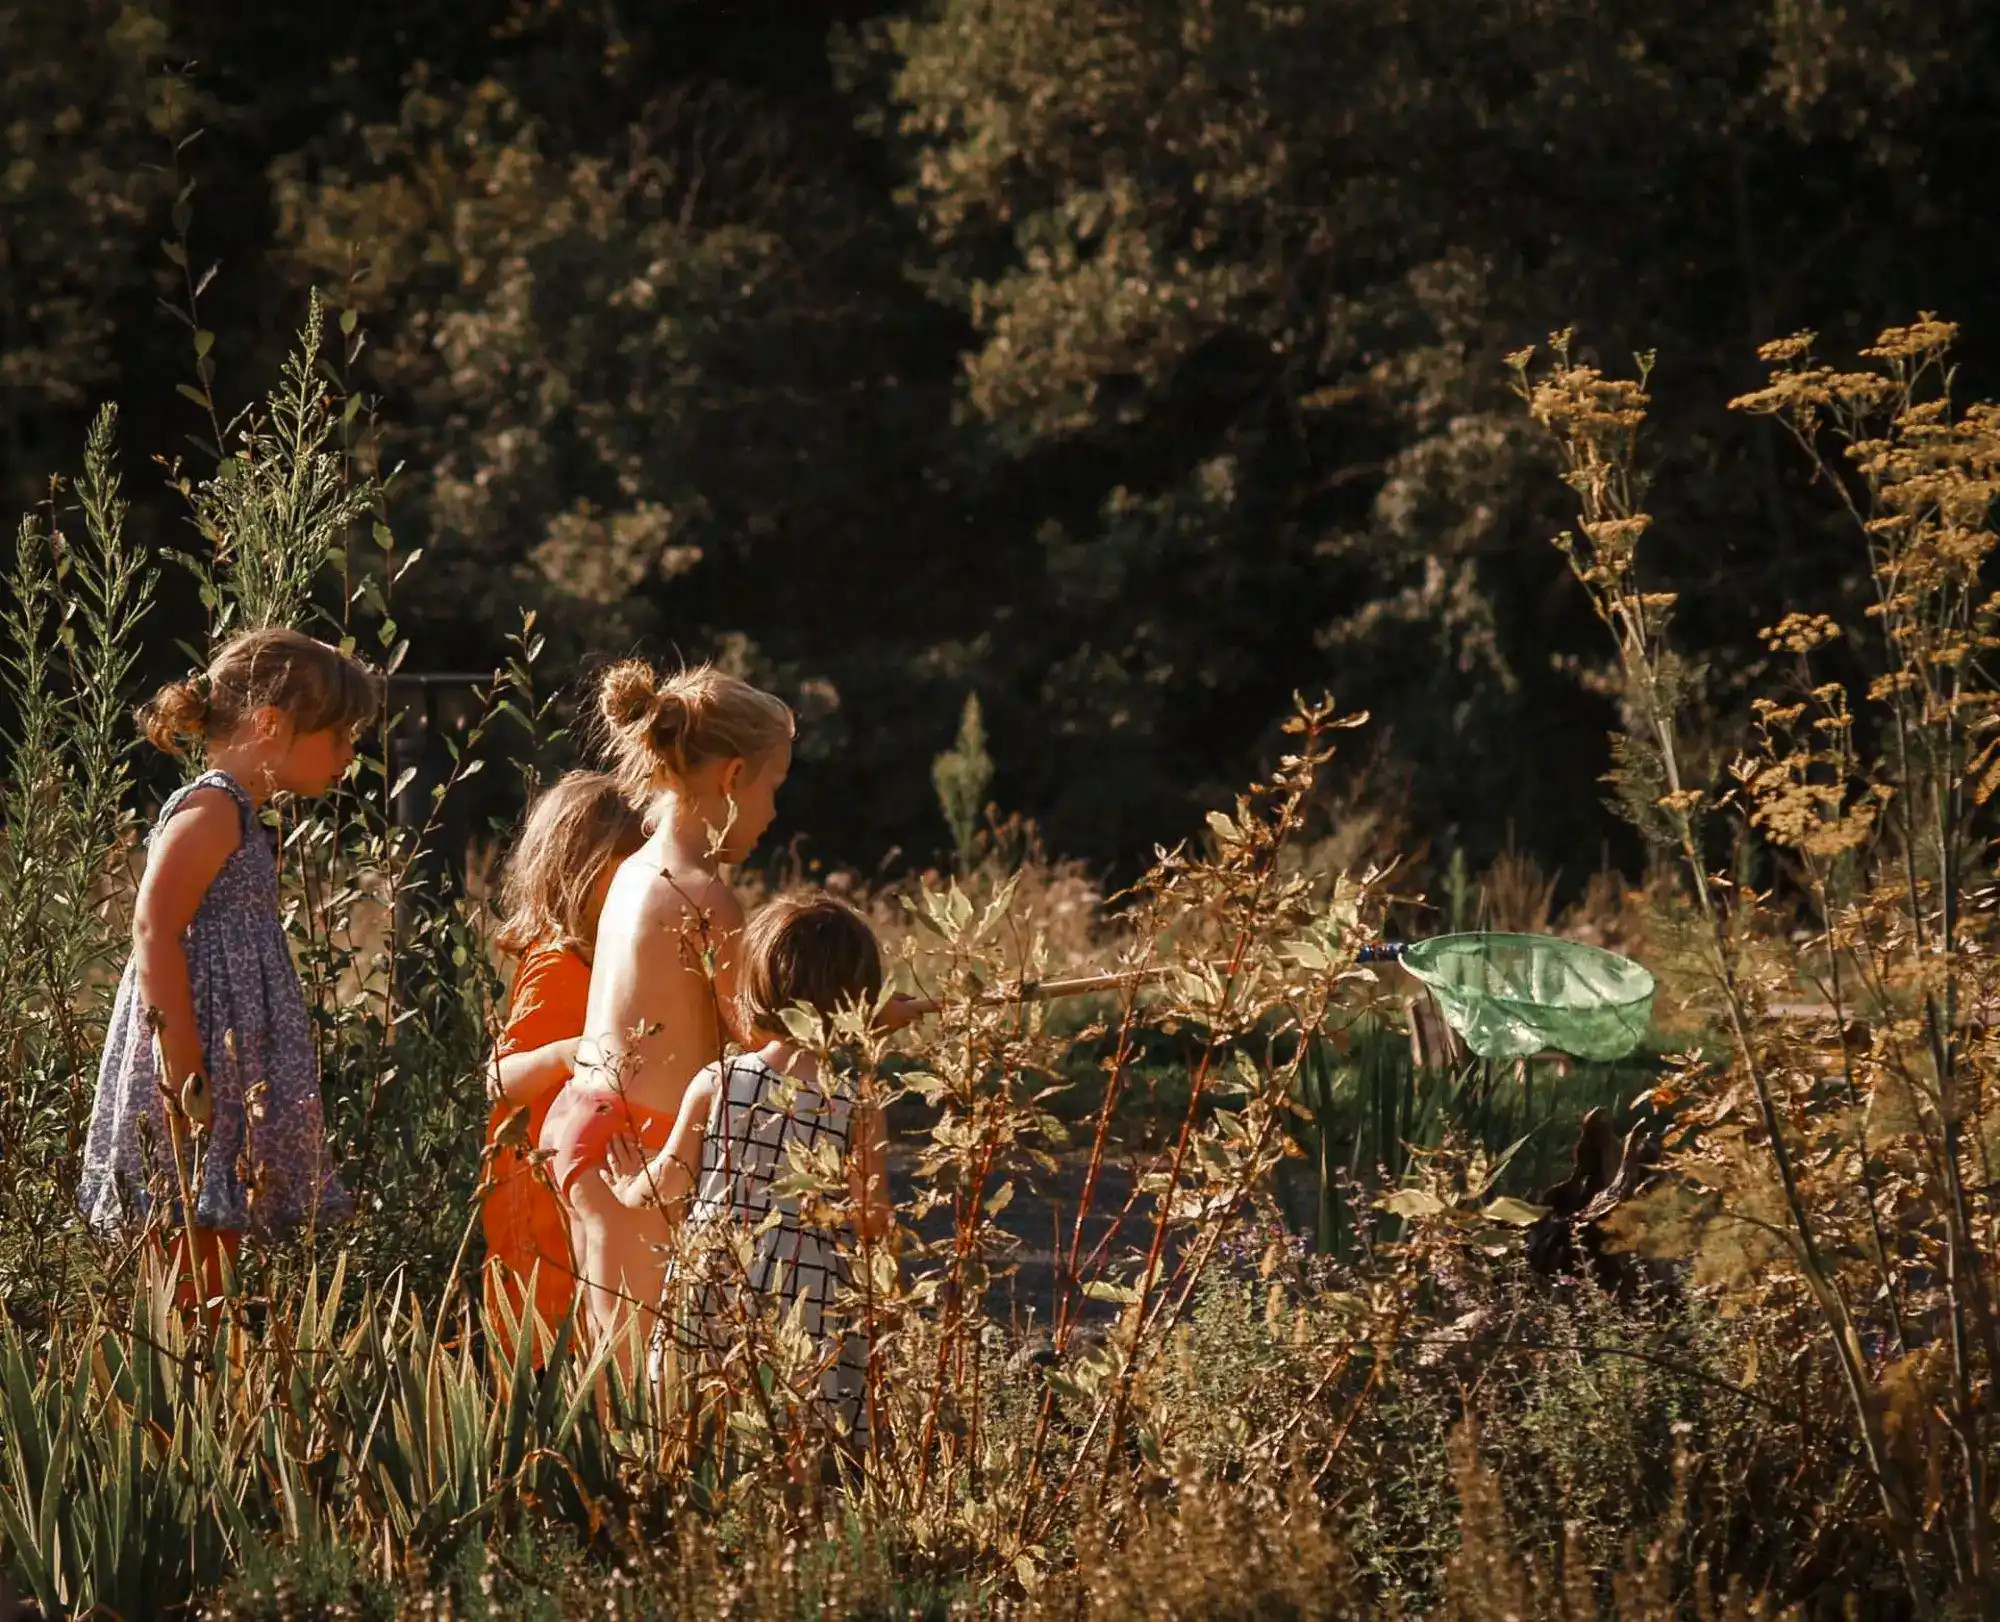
(1131, 364)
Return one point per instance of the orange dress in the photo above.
(524, 1223)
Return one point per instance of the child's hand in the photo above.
(628, 1173)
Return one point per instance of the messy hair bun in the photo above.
(316, 686)
(627, 694)
(176, 715)
(661, 728)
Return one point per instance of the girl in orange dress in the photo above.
(576, 835)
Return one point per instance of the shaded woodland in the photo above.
(1130, 365)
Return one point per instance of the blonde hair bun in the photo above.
(175, 716)
(628, 694)
(663, 728)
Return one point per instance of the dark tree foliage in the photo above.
(1130, 364)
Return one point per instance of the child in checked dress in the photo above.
(738, 1125)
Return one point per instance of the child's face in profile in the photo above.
(755, 792)
(310, 763)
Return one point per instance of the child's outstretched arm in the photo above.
(668, 1178)
(524, 1077)
(188, 852)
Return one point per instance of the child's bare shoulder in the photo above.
(185, 854)
(673, 897)
(206, 820)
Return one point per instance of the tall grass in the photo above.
(1211, 1423)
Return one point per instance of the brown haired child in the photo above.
(210, 994)
(732, 1141)
(576, 834)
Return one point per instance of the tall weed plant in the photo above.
(1831, 1171)
(79, 592)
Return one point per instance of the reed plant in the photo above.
(1375, 1109)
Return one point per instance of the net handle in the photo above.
(1078, 985)
(1083, 985)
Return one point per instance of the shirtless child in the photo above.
(705, 754)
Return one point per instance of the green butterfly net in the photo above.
(1514, 996)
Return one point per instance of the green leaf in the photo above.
(803, 1025)
(1414, 1202)
(1308, 954)
(1518, 1212)
(958, 910)
(1104, 1289)
(931, 1089)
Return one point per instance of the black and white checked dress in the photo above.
(709, 1293)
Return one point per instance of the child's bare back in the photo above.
(664, 973)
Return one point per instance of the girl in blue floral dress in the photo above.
(211, 989)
